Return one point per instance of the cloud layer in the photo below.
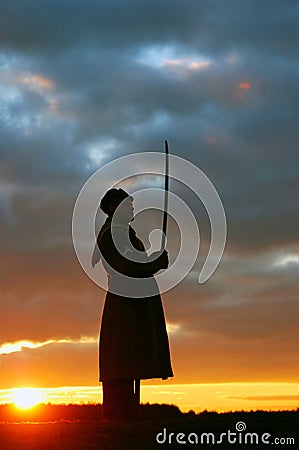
(83, 83)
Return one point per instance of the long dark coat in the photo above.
(133, 336)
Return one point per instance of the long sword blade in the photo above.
(166, 189)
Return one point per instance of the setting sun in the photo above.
(26, 398)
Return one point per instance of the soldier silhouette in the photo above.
(133, 337)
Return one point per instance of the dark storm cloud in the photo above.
(104, 91)
(214, 25)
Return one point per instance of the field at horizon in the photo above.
(82, 427)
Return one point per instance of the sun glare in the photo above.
(26, 398)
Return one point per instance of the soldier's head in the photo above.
(118, 197)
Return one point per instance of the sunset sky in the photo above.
(85, 82)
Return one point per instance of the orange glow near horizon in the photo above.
(220, 397)
(27, 398)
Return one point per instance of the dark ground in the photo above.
(80, 427)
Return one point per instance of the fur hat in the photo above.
(112, 199)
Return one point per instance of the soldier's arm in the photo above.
(139, 265)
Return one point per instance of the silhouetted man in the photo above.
(133, 337)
